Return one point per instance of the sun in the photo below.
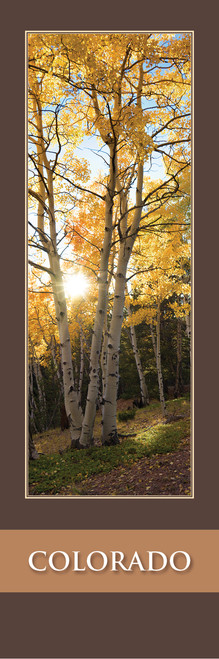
(75, 285)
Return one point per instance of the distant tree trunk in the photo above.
(178, 383)
(188, 331)
(156, 346)
(143, 386)
(41, 392)
(104, 357)
(33, 453)
(32, 404)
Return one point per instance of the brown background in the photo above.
(109, 625)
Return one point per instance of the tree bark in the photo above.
(33, 453)
(93, 387)
(104, 357)
(127, 238)
(178, 383)
(41, 392)
(56, 366)
(81, 366)
(156, 346)
(46, 174)
(109, 432)
(188, 332)
(143, 386)
(32, 404)
(72, 404)
(105, 329)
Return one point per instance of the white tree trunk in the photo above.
(46, 174)
(156, 346)
(72, 405)
(178, 382)
(93, 387)
(81, 366)
(143, 386)
(105, 330)
(104, 357)
(109, 417)
(71, 400)
(109, 431)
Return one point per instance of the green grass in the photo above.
(56, 474)
(126, 415)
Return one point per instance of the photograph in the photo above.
(109, 263)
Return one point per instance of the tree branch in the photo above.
(41, 267)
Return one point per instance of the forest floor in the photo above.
(152, 459)
(160, 475)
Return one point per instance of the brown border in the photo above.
(151, 625)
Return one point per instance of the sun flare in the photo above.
(75, 285)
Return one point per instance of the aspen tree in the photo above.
(45, 203)
(157, 352)
(132, 90)
(143, 386)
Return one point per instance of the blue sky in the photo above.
(90, 150)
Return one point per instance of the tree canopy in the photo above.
(118, 229)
